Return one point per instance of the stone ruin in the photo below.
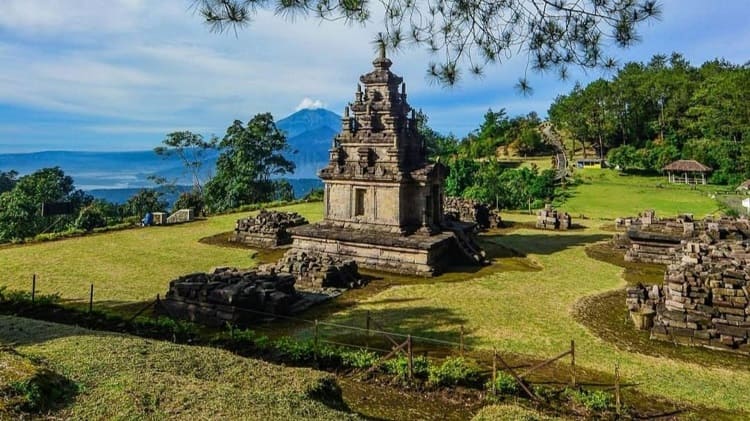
(181, 216)
(467, 210)
(268, 229)
(317, 270)
(648, 239)
(552, 219)
(228, 295)
(703, 300)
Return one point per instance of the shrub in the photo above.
(505, 384)
(359, 359)
(593, 400)
(91, 217)
(400, 367)
(454, 371)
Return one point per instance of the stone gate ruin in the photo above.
(268, 229)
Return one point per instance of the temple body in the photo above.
(383, 200)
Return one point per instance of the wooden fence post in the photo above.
(315, 342)
(91, 298)
(410, 356)
(367, 330)
(461, 349)
(618, 404)
(494, 370)
(573, 362)
(33, 288)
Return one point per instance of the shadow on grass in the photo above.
(541, 243)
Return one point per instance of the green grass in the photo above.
(510, 412)
(605, 194)
(531, 313)
(126, 266)
(123, 377)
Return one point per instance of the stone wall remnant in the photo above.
(180, 216)
(704, 300)
(267, 229)
(552, 219)
(468, 210)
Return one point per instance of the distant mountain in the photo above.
(310, 133)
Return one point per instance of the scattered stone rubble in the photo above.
(228, 295)
(268, 229)
(467, 210)
(552, 219)
(318, 270)
(704, 298)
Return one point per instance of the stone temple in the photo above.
(383, 199)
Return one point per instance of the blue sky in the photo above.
(120, 74)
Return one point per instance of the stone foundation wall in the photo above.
(704, 300)
(180, 216)
(268, 229)
(224, 295)
(468, 210)
(411, 261)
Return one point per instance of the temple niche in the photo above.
(383, 199)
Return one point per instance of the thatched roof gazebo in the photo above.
(687, 171)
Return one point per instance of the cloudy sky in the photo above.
(120, 74)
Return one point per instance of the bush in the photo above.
(359, 359)
(90, 217)
(23, 298)
(593, 400)
(505, 384)
(304, 350)
(400, 367)
(454, 371)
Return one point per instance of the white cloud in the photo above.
(310, 104)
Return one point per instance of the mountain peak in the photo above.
(309, 119)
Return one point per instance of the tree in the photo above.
(90, 217)
(192, 150)
(146, 200)
(250, 155)
(8, 180)
(20, 207)
(553, 34)
(438, 146)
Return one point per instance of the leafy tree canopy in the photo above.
(251, 154)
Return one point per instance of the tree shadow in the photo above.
(525, 244)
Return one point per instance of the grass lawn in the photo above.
(605, 194)
(126, 266)
(123, 377)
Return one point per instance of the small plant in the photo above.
(295, 350)
(593, 400)
(454, 371)
(360, 359)
(400, 367)
(505, 384)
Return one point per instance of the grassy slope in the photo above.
(607, 195)
(124, 377)
(129, 265)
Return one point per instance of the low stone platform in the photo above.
(268, 229)
(416, 254)
(228, 295)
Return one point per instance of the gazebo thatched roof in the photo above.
(687, 165)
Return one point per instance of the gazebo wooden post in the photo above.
(703, 178)
(686, 178)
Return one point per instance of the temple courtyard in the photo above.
(529, 303)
